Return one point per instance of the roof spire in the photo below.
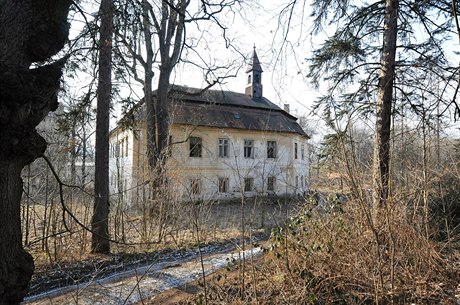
(254, 73)
(254, 63)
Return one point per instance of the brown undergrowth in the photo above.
(345, 256)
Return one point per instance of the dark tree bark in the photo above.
(148, 94)
(347, 58)
(30, 31)
(384, 103)
(100, 220)
(170, 29)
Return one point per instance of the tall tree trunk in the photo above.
(384, 103)
(170, 40)
(73, 154)
(30, 31)
(148, 94)
(162, 110)
(16, 265)
(83, 156)
(100, 221)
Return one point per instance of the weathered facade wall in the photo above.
(197, 178)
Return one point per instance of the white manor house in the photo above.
(228, 144)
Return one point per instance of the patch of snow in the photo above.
(135, 285)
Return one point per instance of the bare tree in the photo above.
(161, 26)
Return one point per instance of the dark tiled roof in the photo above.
(230, 116)
(221, 97)
(225, 109)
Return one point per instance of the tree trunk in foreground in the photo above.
(30, 31)
(100, 221)
(150, 104)
(381, 166)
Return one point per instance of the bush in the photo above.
(352, 257)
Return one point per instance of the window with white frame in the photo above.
(271, 149)
(195, 147)
(117, 150)
(169, 147)
(195, 186)
(249, 149)
(248, 184)
(223, 185)
(271, 183)
(224, 148)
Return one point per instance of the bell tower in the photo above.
(254, 77)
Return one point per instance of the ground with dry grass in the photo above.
(326, 249)
(64, 259)
(343, 257)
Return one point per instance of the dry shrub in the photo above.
(341, 254)
(348, 256)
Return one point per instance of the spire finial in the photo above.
(254, 63)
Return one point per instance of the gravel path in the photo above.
(131, 286)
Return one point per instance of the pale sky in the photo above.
(283, 80)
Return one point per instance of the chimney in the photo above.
(286, 108)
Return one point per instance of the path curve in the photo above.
(141, 283)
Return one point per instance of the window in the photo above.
(195, 186)
(302, 151)
(137, 134)
(249, 149)
(117, 150)
(296, 181)
(249, 79)
(223, 185)
(195, 147)
(248, 184)
(223, 148)
(122, 148)
(301, 181)
(271, 183)
(257, 78)
(169, 147)
(295, 151)
(271, 149)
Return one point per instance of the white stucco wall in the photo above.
(210, 167)
(121, 163)
(132, 167)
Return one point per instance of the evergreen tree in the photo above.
(100, 221)
(377, 52)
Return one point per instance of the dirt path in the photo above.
(141, 283)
